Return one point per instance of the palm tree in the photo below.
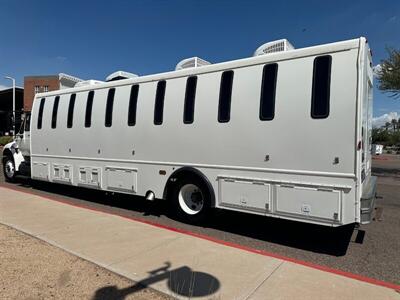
(394, 124)
(387, 125)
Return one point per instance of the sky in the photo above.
(91, 39)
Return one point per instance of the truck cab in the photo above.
(16, 154)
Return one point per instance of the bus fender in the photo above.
(183, 172)
(11, 149)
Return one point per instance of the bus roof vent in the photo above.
(274, 46)
(88, 82)
(120, 75)
(192, 62)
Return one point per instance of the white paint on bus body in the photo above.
(293, 166)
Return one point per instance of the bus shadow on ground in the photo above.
(182, 281)
(385, 171)
(309, 237)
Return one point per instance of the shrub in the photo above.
(5, 140)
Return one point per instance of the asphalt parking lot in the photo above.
(372, 250)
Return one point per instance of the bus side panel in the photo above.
(313, 157)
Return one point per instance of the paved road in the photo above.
(372, 251)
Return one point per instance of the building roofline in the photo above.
(41, 76)
(56, 76)
(10, 88)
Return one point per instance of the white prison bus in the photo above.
(285, 133)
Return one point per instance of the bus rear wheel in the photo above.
(191, 199)
(9, 169)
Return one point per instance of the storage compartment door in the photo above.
(89, 176)
(40, 170)
(309, 202)
(121, 179)
(245, 195)
(62, 173)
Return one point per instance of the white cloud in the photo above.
(61, 58)
(376, 70)
(381, 120)
(2, 87)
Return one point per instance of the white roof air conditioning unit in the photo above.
(120, 75)
(88, 82)
(274, 46)
(192, 62)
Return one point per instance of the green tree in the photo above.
(389, 73)
(394, 124)
(387, 138)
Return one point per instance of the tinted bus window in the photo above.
(71, 110)
(190, 95)
(55, 111)
(225, 95)
(321, 87)
(40, 115)
(109, 107)
(268, 89)
(133, 105)
(159, 103)
(89, 105)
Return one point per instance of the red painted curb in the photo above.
(211, 239)
(380, 158)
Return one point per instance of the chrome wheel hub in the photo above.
(191, 199)
(9, 169)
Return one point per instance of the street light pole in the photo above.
(13, 81)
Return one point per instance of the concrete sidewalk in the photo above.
(172, 262)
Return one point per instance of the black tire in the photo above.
(203, 194)
(9, 169)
